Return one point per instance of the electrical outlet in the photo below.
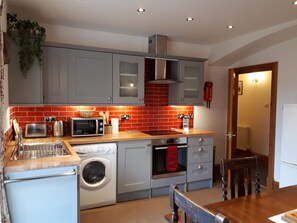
(49, 118)
(125, 117)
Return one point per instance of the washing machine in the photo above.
(97, 174)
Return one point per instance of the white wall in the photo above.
(214, 119)
(254, 109)
(87, 37)
(285, 54)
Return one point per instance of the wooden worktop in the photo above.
(73, 159)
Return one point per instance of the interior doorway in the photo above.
(240, 123)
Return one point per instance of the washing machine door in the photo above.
(95, 173)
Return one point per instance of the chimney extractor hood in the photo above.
(163, 71)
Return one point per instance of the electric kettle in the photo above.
(58, 129)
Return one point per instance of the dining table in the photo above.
(255, 208)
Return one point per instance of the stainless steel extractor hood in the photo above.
(160, 74)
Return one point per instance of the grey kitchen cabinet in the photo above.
(22, 90)
(190, 90)
(55, 75)
(134, 166)
(128, 79)
(200, 162)
(90, 77)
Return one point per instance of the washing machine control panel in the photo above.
(110, 148)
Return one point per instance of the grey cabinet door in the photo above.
(55, 75)
(128, 79)
(134, 166)
(90, 77)
(190, 90)
(23, 90)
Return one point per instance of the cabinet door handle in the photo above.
(200, 167)
(109, 98)
(200, 149)
(141, 99)
(149, 145)
(200, 140)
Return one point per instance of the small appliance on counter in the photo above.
(35, 130)
(87, 126)
(58, 130)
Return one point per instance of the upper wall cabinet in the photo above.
(128, 79)
(90, 77)
(23, 90)
(190, 90)
(55, 75)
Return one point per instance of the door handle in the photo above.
(230, 135)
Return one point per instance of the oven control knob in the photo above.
(100, 129)
(101, 124)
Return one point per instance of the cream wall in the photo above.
(285, 54)
(214, 119)
(254, 109)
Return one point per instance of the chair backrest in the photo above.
(190, 211)
(240, 170)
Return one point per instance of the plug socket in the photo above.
(49, 118)
(125, 117)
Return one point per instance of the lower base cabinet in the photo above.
(43, 195)
(200, 162)
(134, 170)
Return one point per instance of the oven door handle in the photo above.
(165, 147)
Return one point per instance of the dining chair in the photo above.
(190, 211)
(240, 170)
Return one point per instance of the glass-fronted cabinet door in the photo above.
(190, 90)
(192, 77)
(128, 79)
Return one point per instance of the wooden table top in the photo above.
(257, 208)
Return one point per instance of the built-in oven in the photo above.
(160, 160)
(161, 177)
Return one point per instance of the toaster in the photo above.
(35, 130)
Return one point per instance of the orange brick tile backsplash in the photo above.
(155, 115)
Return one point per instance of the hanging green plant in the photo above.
(29, 36)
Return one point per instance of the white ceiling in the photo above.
(166, 17)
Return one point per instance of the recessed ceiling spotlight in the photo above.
(141, 10)
(294, 3)
(230, 27)
(189, 19)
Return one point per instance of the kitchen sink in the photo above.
(40, 150)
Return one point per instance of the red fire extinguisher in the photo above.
(208, 93)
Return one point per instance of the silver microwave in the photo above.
(87, 126)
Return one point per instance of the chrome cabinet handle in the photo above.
(8, 180)
(141, 98)
(200, 149)
(165, 147)
(200, 167)
(109, 98)
(149, 145)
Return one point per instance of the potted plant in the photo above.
(29, 36)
